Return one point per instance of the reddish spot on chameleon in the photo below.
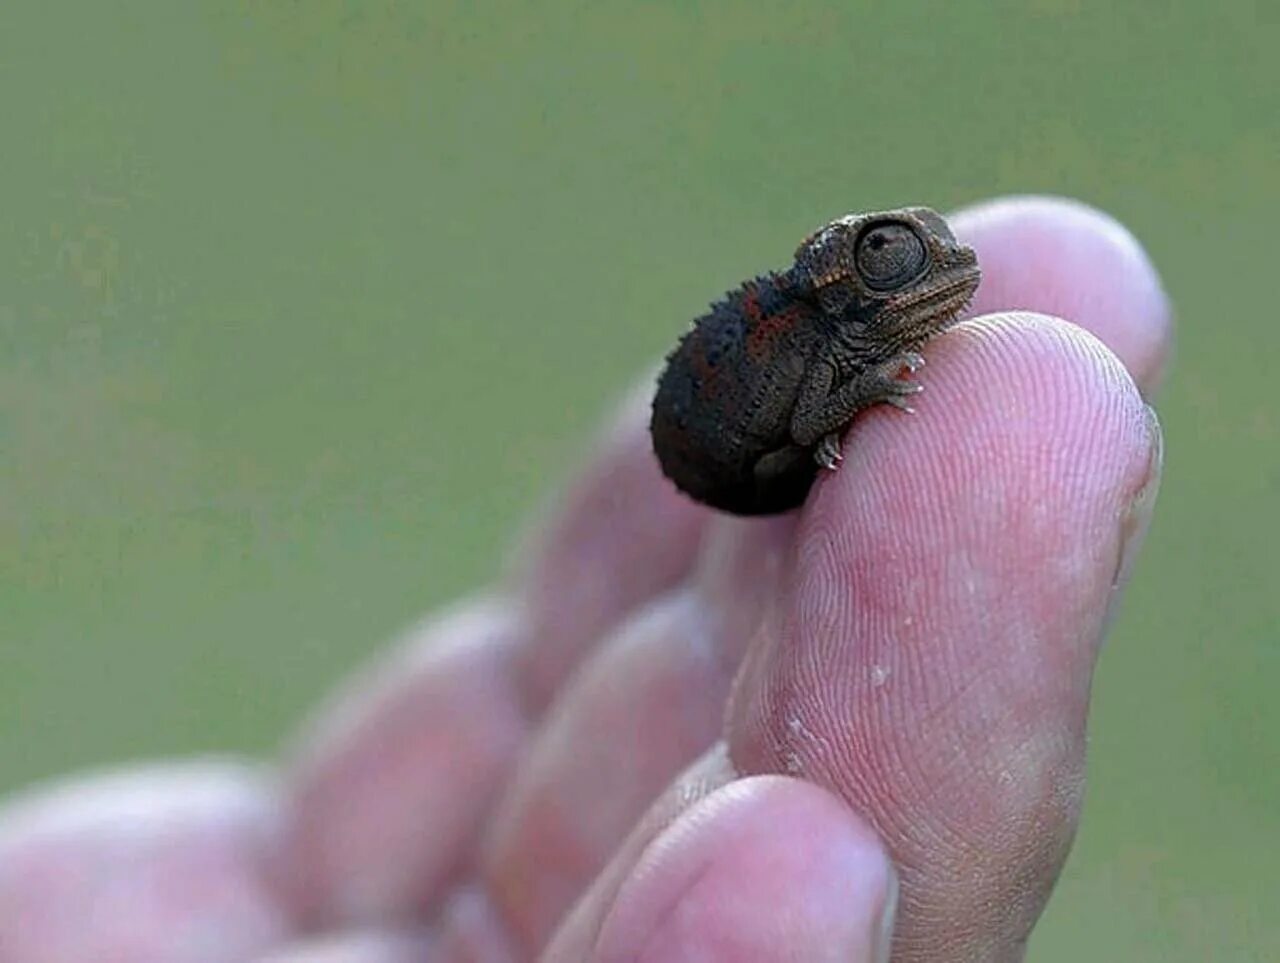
(768, 331)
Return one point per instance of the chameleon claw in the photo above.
(827, 454)
(904, 390)
(899, 398)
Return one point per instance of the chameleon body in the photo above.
(754, 399)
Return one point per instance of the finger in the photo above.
(646, 703)
(597, 751)
(620, 535)
(397, 773)
(762, 869)
(168, 864)
(732, 588)
(364, 947)
(388, 793)
(1063, 258)
(933, 660)
(392, 781)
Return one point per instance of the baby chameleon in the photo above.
(757, 394)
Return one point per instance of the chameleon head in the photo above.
(902, 273)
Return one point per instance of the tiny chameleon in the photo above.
(755, 398)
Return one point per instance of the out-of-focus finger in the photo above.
(649, 702)
(393, 779)
(167, 864)
(933, 662)
(361, 947)
(1063, 258)
(397, 772)
(619, 535)
(646, 704)
(761, 869)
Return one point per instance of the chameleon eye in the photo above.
(890, 255)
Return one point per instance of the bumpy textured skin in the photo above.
(754, 398)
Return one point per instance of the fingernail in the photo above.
(1137, 517)
(883, 938)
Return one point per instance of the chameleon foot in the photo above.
(827, 454)
(894, 390)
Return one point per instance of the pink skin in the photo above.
(354, 947)
(150, 864)
(553, 774)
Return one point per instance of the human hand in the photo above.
(676, 735)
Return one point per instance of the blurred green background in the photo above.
(304, 306)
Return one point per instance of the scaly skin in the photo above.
(756, 395)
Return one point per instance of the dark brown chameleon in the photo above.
(754, 399)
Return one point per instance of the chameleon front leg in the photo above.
(822, 414)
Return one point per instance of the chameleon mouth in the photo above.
(948, 297)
